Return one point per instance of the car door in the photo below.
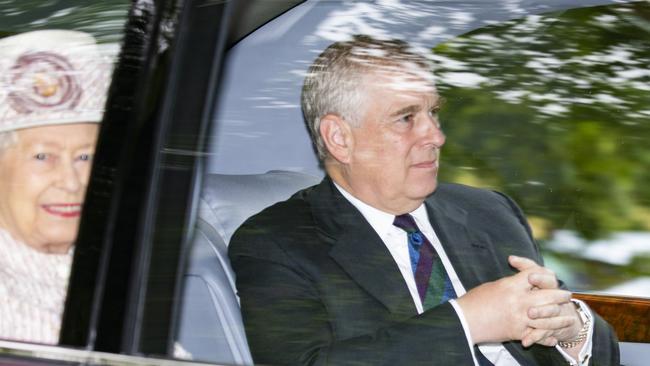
(130, 249)
(126, 270)
(482, 49)
(203, 95)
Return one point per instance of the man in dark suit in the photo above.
(381, 265)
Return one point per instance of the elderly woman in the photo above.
(52, 93)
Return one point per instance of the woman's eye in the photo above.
(41, 156)
(85, 157)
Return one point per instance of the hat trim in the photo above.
(88, 118)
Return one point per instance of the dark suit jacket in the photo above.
(318, 286)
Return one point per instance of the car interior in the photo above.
(210, 322)
(232, 192)
(259, 153)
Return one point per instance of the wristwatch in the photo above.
(582, 334)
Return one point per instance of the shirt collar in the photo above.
(381, 221)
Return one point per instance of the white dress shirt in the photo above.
(396, 241)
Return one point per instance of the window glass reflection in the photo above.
(56, 61)
(553, 110)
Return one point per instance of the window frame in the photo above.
(123, 283)
(135, 235)
(121, 266)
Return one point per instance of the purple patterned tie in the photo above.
(431, 279)
(433, 283)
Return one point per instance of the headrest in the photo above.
(231, 199)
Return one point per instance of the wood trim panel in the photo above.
(630, 316)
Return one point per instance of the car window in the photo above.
(548, 108)
(551, 109)
(37, 279)
(258, 150)
(544, 101)
(258, 127)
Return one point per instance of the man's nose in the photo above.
(439, 137)
(433, 132)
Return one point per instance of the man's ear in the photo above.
(337, 136)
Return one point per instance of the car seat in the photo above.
(210, 326)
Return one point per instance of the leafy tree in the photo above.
(554, 111)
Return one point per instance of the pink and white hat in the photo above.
(52, 77)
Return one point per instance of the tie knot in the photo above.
(406, 223)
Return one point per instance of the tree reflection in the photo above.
(104, 20)
(554, 111)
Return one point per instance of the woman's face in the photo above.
(43, 179)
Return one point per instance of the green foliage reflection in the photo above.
(554, 110)
(103, 19)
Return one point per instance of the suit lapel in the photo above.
(362, 254)
(467, 251)
(359, 250)
(471, 253)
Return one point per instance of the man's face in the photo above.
(396, 147)
(43, 183)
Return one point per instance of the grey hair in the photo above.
(7, 139)
(334, 82)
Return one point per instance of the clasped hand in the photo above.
(527, 306)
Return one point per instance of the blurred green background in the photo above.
(554, 110)
(103, 19)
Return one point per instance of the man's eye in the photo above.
(433, 113)
(407, 118)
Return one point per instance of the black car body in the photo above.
(204, 103)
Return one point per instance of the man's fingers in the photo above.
(554, 323)
(544, 311)
(547, 297)
(543, 280)
(536, 336)
(521, 263)
(549, 342)
(527, 264)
